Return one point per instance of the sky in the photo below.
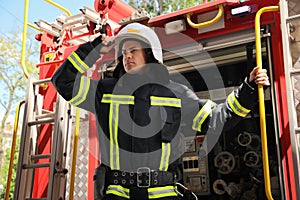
(12, 17)
(12, 11)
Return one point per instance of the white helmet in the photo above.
(143, 33)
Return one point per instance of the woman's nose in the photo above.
(128, 54)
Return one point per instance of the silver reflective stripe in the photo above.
(82, 91)
(118, 190)
(160, 192)
(78, 63)
(202, 115)
(236, 106)
(165, 156)
(165, 101)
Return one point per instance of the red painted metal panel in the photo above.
(232, 24)
(196, 9)
(94, 151)
(283, 118)
(116, 9)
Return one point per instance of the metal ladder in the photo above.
(76, 24)
(30, 160)
(292, 73)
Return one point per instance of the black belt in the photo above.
(142, 178)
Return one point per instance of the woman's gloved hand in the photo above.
(103, 43)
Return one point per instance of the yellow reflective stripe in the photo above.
(82, 92)
(236, 106)
(165, 101)
(159, 192)
(111, 141)
(202, 115)
(165, 156)
(118, 190)
(115, 98)
(77, 62)
(153, 193)
(117, 153)
(115, 102)
(113, 131)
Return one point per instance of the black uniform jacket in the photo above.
(143, 117)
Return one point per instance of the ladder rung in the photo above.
(81, 29)
(40, 156)
(91, 14)
(41, 81)
(47, 115)
(57, 25)
(46, 111)
(293, 17)
(75, 19)
(295, 71)
(45, 26)
(45, 121)
(34, 166)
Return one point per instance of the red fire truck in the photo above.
(211, 46)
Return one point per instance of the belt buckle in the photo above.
(140, 171)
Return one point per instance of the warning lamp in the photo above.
(175, 26)
(241, 10)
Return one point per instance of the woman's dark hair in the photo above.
(119, 70)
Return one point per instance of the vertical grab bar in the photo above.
(12, 152)
(262, 103)
(74, 155)
(23, 65)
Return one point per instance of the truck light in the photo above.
(241, 10)
(175, 26)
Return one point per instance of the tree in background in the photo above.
(4, 171)
(12, 80)
(158, 7)
(13, 86)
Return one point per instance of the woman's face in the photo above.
(134, 56)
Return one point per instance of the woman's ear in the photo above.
(150, 56)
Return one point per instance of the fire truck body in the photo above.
(211, 48)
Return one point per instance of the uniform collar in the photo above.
(152, 73)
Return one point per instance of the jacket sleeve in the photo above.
(210, 119)
(70, 81)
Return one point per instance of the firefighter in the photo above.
(142, 114)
